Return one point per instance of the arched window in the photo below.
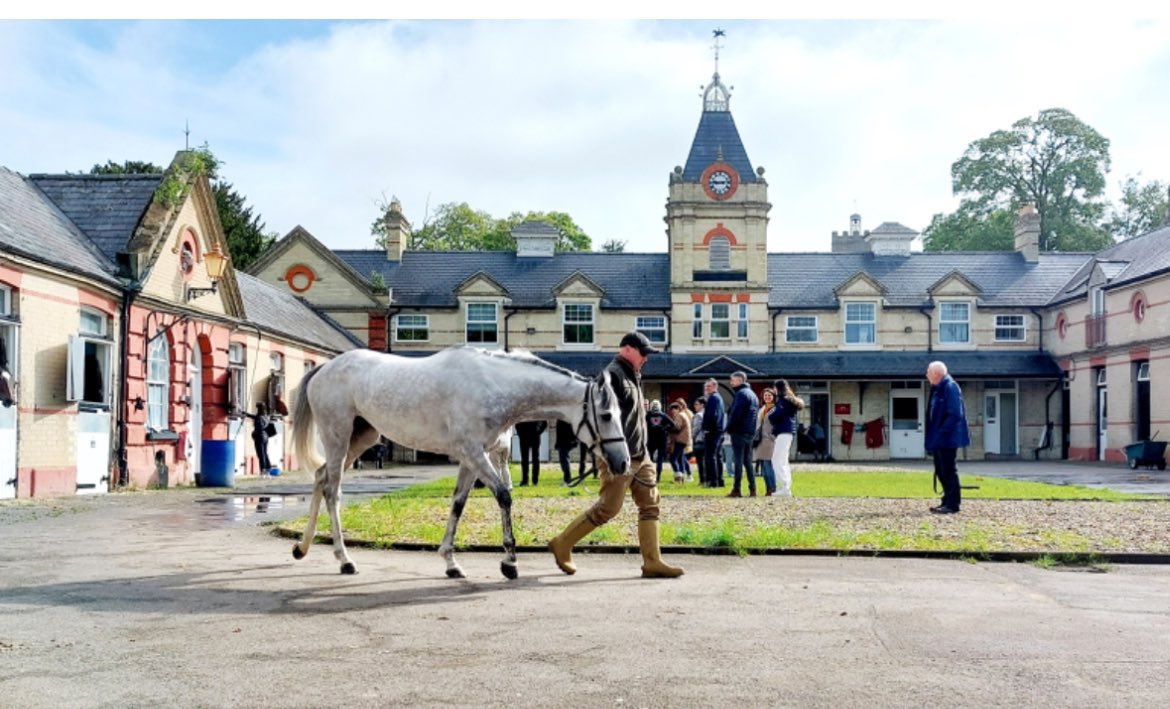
(158, 387)
(720, 254)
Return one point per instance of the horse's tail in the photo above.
(303, 426)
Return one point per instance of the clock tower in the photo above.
(716, 222)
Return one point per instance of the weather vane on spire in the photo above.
(717, 33)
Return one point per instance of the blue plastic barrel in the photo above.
(219, 464)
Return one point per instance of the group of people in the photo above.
(775, 422)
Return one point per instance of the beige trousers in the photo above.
(641, 483)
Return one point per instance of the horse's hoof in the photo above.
(348, 569)
(455, 574)
(509, 570)
(297, 553)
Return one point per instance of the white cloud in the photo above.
(583, 117)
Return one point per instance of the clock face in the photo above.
(719, 182)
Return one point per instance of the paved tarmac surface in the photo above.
(181, 599)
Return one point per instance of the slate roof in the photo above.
(281, 312)
(429, 278)
(1124, 263)
(33, 226)
(822, 365)
(807, 280)
(107, 208)
(717, 131)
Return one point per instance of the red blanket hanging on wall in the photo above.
(874, 433)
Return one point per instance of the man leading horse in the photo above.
(624, 375)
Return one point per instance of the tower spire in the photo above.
(716, 96)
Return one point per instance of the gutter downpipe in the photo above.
(669, 339)
(390, 313)
(129, 293)
(929, 326)
(510, 312)
(775, 314)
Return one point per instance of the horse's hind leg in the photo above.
(300, 550)
(447, 549)
(362, 437)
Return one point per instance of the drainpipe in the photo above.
(1048, 419)
(669, 339)
(929, 326)
(129, 293)
(775, 314)
(1039, 329)
(390, 313)
(510, 312)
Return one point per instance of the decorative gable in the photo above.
(578, 285)
(954, 284)
(860, 284)
(300, 264)
(481, 284)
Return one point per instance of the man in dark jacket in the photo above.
(714, 424)
(741, 425)
(946, 432)
(624, 374)
(529, 434)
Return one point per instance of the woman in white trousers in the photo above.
(783, 420)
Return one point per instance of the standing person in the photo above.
(698, 444)
(690, 446)
(566, 442)
(659, 428)
(260, 423)
(624, 375)
(714, 422)
(783, 420)
(946, 432)
(680, 440)
(529, 434)
(766, 442)
(741, 425)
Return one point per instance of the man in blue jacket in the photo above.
(713, 427)
(946, 432)
(741, 424)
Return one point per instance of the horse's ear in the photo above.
(604, 389)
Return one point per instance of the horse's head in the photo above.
(601, 428)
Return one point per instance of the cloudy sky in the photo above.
(317, 121)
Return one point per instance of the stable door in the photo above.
(907, 439)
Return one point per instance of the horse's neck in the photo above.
(553, 396)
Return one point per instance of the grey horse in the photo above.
(460, 402)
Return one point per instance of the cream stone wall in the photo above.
(329, 287)
(165, 280)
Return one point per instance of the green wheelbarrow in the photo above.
(1147, 454)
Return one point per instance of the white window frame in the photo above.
(872, 323)
(741, 321)
(95, 339)
(724, 320)
(426, 326)
(1022, 327)
(11, 327)
(591, 324)
(467, 322)
(5, 301)
(237, 378)
(790, 328)
(943, 306)
(162, 385)
(656, 333)
(697, 321)
(1143, 372)
(1096, 300)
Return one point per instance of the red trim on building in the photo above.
(743, 297)
(106, 304)
(719, 297)
(698, 297)
(300, 270)
(46, 481)
(719, 230)
(1139, 353)
(1098, 361)
(11, 276)
(377, 337)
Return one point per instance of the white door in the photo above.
(93, 452)
(7, 452)
(991, 423)
(276, 446)
(907, 439)
(1102, 422)
(237, 432)
(195, 424)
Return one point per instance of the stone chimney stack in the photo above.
(1028, 232)
(397, 231)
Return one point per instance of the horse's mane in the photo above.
(527, 357)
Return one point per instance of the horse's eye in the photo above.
(607, 417)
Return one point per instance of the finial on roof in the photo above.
(716, 96)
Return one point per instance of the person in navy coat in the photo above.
(714, 423)
(946, 432)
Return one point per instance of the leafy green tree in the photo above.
(456, 226)
(1054, 161)
(1142, 209)
(964, 230)
(614, 246)
(244, 231)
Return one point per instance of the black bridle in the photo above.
(589, 406)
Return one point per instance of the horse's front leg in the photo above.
(502, 492)
(462, 489)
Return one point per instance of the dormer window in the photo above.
(954, 323)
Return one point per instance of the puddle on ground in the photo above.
(255, 508)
